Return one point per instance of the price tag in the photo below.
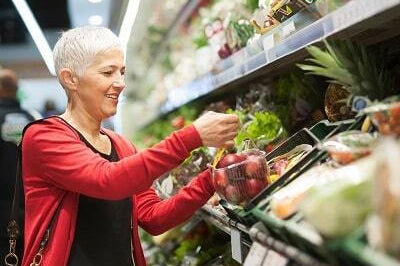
(256, 255)
(236, 245)
(275, 259)
(288, 28)
(268, 44)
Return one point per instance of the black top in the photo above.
(12, 121)
(103, 228)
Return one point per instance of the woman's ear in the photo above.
(68, 79)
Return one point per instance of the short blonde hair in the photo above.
(77, 47)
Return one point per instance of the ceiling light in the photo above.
(95, 1)
(95, 20)
(36, 33)
(127, 22)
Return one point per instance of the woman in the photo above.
(93, 181)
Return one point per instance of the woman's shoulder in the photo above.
(51, 126)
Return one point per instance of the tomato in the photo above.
(269, 148)
(380, 117)
(384, 128)
(343, 157)
(230, 159)
(178, 122)
(395, 111)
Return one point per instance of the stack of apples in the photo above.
(237, 178)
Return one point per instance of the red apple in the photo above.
(220, 179)
(229, 159)
(254, 186)
(254, 166)
(232, 194)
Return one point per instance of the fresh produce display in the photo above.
(349, 146)
(353, 69)
(297, 99)
(383, 227)
(263, 128)
(280, 164)
(341, 204)
(350, 195)
(238, 178)
(386, 117)
(287, 201)
(270, 16)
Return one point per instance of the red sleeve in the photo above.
(157, 216)
(56, 155)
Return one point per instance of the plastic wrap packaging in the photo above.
(383, 228)
(237, 178)
(339, 205)
(349, 146)
(386, 117)
(286, 201)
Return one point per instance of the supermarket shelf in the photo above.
(183, 15)
(358, 19)
(290, 252)
(224, 223)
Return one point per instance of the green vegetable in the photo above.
(263, 125)
(339, 207)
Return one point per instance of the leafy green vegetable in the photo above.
(264, 125)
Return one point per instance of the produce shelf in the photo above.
(358, 19)
(183, 15)
(290, 252)
(224, 223)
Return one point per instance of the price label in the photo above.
(268, 44)
(256, 255)
(236, 245)
(275, 259)
(288, 28)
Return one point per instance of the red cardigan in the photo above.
(56, 164)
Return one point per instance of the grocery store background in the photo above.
(29, 30)
(185, 57)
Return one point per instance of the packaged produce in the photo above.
(349, 146)
(280, 164)
(286, 201)
(283, 10)
(383, 228)
(341, 204)
(237, 178)
(386, 117)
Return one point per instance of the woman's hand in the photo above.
(217, 129)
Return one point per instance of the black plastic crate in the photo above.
(304, 136)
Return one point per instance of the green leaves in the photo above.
(352, 66)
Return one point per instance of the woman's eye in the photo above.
(107, 73)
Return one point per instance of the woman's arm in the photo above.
(54, 154)
(157, 216)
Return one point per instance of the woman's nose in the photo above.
(119, 83)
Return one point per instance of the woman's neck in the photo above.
(82, 122)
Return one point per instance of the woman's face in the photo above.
(102, 83)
